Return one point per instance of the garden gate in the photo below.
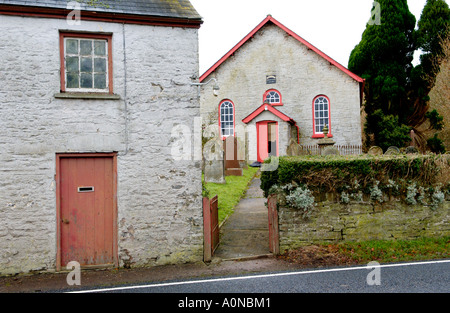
(210, 227)
(274, 240)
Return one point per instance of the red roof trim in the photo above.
(271, 109)
(269, 18)
(100, 16)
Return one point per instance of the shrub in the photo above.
(413, 177)
(375, 193)
(333, 173)
(301, 199)
(411, 192)
(437, 198)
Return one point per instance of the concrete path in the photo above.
(246, 233)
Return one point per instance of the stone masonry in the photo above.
(332, 221)
(159, 198)
(301, 75)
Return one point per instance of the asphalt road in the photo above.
(416, 277)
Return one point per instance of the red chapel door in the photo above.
(267, 139)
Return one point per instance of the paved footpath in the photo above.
(246, 233)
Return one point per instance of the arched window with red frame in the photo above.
(321, 116)
(273, 96)
(226, 118)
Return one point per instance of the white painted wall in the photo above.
(301, 76)
(159, 199)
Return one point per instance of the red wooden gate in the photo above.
(274, 239)
(210, 227)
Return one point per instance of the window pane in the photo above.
(100, 65)
(72, 64)
(86, 80)
(86, 65)
(226, 118)
(72, 46)
(100, 47)
(85, 47)
(100, 81)
(72, 80)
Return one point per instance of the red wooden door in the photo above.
(86, 215)
(267, 142)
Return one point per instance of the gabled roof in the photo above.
(136, 11)
(271, 109)
(270, 19)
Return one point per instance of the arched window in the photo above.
(273, 96)
(321, 115)
(226, 118)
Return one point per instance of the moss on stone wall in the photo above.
(332, 221)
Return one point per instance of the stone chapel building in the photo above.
(274, 87)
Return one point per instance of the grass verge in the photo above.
(385, 251)
(231, 193)
(382, 251)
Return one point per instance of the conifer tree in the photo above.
(433, 29)
(396, 93)
(383, 58)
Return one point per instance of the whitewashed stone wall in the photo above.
(301, 76)
(159, 199)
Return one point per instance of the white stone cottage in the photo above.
(275, 86)
(87, 106)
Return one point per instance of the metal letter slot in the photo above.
(86, 189)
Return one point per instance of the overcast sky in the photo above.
(333, 26)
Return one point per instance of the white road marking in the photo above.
(213, 280)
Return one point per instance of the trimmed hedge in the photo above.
(337, 173)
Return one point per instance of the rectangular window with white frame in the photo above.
(86, 63)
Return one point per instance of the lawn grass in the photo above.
(230, 193)
(385, 251)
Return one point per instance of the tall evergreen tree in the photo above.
(433, 30)
(383, 58)
(395, 90)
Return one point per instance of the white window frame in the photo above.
(273, 96)
(321, 114)
(225, 116)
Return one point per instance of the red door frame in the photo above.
(264, 137)
(60, 156)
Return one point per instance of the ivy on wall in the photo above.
(414, 178)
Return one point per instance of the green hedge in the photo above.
(337, 173)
